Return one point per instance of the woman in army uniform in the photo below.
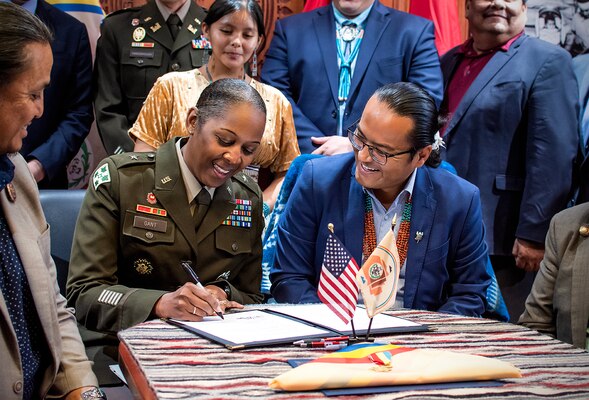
(233, 30)
(138, 222)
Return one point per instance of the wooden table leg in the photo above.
(136, 379)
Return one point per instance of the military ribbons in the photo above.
(241, 216)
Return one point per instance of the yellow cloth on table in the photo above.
(365, 365)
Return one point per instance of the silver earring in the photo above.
(255, 65)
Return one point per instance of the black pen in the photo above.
(187, 266)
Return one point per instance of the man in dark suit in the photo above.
(54, 139)
(328, 62)
(137, 46)
(512, 131)
(439, 232)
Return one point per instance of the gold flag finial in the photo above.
(330, 227)
(394, 220)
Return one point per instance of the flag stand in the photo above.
(357, 339)
(368, 338)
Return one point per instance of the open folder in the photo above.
(285, 324)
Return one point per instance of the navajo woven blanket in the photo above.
(180, 365)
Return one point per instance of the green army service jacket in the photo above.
(134, 49)
(134, 229)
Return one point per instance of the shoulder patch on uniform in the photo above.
(101, 175)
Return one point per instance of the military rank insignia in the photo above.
(101, 175)
(241, 216)
(201, 43)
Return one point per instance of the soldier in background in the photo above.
(138, 45)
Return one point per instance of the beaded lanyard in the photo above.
(369, 242)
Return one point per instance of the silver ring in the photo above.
(194, 311)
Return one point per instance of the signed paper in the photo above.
(254, 326)
(319, 314)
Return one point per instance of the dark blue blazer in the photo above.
(514, 135)
(55, 138)
(302, 63)
(445, 269)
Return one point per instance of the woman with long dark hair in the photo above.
(233, 30)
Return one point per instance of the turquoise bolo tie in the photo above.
(348, 32)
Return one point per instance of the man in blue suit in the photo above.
(361, 192)
(328, 62)
(54, 139)
(512, 131)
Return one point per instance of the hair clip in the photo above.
(438, 142)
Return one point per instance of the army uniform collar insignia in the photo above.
(156, 27)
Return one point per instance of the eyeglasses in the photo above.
(379, 156)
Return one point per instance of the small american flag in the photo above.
(338, 288)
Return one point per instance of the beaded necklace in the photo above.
(369, 242)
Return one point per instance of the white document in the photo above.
(320, 314)
(253, 327)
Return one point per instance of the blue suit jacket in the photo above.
(581, 69)
(55, 138)
(445, 270)
(514, 135)
(302, 63)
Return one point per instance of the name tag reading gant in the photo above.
(150, 223)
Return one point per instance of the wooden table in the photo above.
(161, 361)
